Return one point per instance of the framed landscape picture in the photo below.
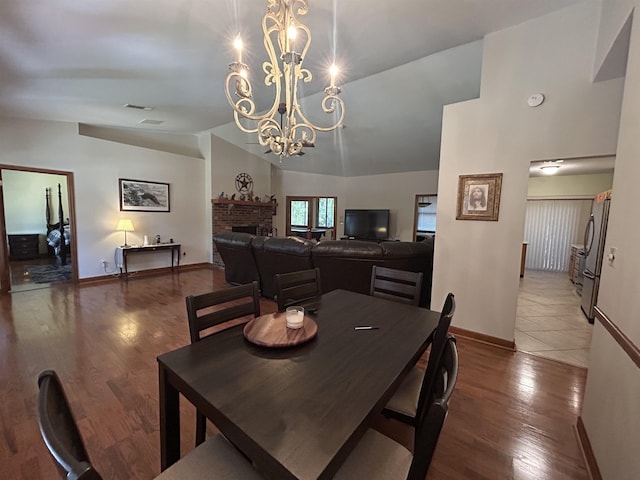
(479, 197)
(143, 196)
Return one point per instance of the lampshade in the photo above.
(125, 224)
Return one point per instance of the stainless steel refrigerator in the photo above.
(594, 237)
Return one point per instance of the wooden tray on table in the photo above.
(271, 331)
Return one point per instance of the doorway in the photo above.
(549, 322)
(27, 261)
(424, 216)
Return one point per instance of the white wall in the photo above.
(397, 192)
(25, 201)
(570, 185)
(499, 133)
(301, 184)
(229, 161)
(97, 165)
(611, 410)
(393, 191)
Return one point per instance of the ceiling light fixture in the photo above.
(551, 167)
(283, 128)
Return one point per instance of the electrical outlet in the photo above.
(104, 263)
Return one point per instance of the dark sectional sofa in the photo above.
(344, 264)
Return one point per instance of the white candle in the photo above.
(333, 71)
(237, 43)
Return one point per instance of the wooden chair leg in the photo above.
(201, 428)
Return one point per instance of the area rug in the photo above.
(49, 273)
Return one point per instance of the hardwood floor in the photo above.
(19, 275)
(511, 417)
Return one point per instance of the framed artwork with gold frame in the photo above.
(479, 197)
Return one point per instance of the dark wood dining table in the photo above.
(297, 412)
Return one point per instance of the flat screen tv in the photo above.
(366, 224)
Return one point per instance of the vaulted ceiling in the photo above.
(81, 61)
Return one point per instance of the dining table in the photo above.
(297, 411)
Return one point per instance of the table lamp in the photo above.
(125, 225)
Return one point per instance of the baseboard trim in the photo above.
(587, 451)
(482, 338)
(144, 273)
(625, 343)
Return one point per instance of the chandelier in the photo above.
(284, 127)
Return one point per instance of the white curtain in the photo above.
(551, 226)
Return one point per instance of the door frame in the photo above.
(5, 278)
(313, 205)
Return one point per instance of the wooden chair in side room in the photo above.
(297, 287)
(214, 309)
(405, 404)
(397, 285)
(377, 457)
(214, 459)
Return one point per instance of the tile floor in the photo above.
(549, 322)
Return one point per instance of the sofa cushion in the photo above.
(236, 253)
(346, 264)
(280, 255)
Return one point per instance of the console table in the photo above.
(123, 252)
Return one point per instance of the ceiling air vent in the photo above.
(148, 121)
(137, 107)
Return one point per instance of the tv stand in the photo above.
(377, 240)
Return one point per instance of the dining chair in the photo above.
(408, 400)
(214, 309)
(378, 457)
(296, 287)
(214, 459)
(211, 309)
(398, 285)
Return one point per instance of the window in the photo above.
(326, 212)
(299, 213)
(551, 226)
(426, 206)
(311, 217)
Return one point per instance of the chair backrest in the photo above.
(398, 285)
(60, 431)
(431, 420)
(438, 345)
(214, 308)
(295, 287)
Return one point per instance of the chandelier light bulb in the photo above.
(237, 43)
(333, 71)
(292, 32)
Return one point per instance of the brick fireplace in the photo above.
(227, 214)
